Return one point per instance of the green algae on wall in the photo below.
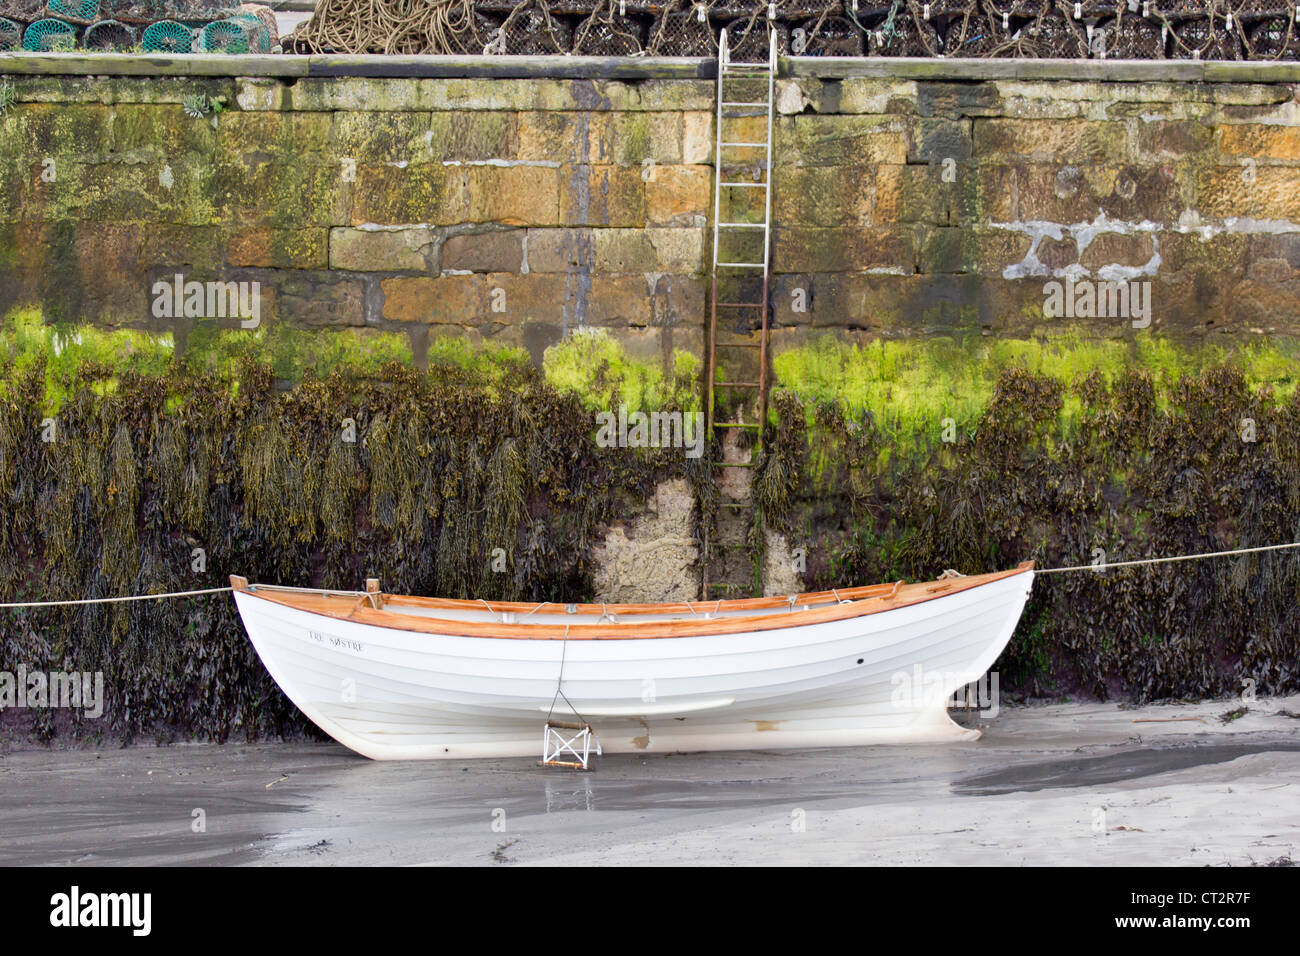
(594, 365)
(909, 387)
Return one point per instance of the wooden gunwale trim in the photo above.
(697, 607)
(907, 596)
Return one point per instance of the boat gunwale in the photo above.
(844, 609)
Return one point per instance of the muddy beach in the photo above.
(1090, 783)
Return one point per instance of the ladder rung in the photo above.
(735, 385)
(733, 425)
(731, 504)
(739, 103)
(737, 345)
(742, 225)
(747, 145)
(743, 265)
(746, 185)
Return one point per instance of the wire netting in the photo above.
(1128, 38)
(49, 35)
(22, 11)
(1198, 39)
(684, 30)
(606, 32)
(748, 38)
(224, 36)
(83, 12)
(266, 16)
(167, 36)
(11, 35)
(532, 30)
(1276, 39)
(111, 36)
(827, 36)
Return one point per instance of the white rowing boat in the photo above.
(398, 677)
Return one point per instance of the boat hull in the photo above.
(878, 678)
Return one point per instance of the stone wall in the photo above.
(502, 210)
(514, 210)
(907, 206)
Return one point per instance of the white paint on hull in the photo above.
(879, 678)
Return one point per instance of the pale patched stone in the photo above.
(380, 250)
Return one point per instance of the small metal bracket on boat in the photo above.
(571, 609)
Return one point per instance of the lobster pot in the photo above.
(111, 36)
(783, 10)
(1277, 39)
(926, 10)
(49, 34)
(682, 33)
(1249, 11)
(477, 34)
(974, 35)
(903, 36)
(1079, 10)
(266, 16)
(22, 11)
(80, 12)
(1023, 9)
(747, 39)
(1202, 40)
(228, 36)
(609, 34)
(133, 11)
(11, 36)
(1128, 38)
(167, 36)
(827, 36)
(580, 8)
(532, 31)
(1186, 9)
(1052, 36)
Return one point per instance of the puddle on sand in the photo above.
(1076, 772)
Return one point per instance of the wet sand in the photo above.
(1061, 784)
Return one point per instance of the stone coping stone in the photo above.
(634, 68)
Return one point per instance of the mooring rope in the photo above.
(1179, 557)
(687, 604)
(117, 600)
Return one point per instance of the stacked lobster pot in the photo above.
(136, 26)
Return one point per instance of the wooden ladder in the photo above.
(738, 105)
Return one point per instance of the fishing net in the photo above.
(609, 33)
(532, 31)
(683, 32)
(50, 35)
(827, 36)
(82, 12)
(11, 36)
(167, 36)
(111, 36)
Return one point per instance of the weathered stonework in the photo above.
(929, 202)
